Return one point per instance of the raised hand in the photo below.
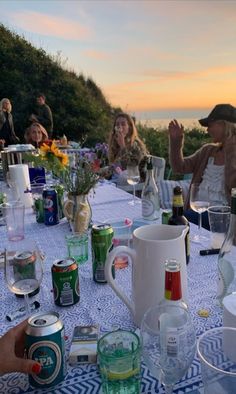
(176, 130)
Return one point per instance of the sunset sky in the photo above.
(149, 57)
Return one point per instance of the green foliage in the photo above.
(157, 143)
(77, 104)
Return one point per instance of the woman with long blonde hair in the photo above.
(124, 143)
(36, 134)
(213, 165)
(7, 133)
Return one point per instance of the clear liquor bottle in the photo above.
(227, 256)
(150, 196)
(173, 287)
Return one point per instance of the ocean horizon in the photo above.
(163, 123)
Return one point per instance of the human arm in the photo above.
(179, 163)
(230, 165)
(12, 346)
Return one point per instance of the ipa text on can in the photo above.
(45, 344)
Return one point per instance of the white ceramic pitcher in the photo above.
(152, 246)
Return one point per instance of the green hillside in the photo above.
(79, 107)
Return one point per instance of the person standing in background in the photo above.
(43, 114)
(7, 133)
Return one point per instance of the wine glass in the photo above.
(168, 343)
(133, 178)
(199, 202)
(23, 268)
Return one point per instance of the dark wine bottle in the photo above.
(178, 218)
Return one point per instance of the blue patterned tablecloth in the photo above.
(99, 304)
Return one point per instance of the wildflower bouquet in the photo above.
(81, 178)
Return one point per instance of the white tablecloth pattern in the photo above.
(98, 303)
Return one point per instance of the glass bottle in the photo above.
(227, 256)
(178, 217)
(173, 287)
(150, 195)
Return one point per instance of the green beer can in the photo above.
(101, 238)
(45, 343)
(39, 209)
(65, 281)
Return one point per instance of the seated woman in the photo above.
(214, 165)
(36, 135)
(125, 147)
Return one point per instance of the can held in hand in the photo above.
(45, 344)
(51, 210)
(101, 238)
(65, 281)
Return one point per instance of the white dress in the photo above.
(214, 179)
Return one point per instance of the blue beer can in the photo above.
(50, 203)
(45, 343)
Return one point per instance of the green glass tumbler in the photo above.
(119, 354)
(77, 246)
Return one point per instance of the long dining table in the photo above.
(98, 304)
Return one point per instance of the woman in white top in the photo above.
(213, 165)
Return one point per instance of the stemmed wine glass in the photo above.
(23, 268)
(133, 178)
(199, 202)
(168, 343)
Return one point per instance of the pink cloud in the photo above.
(40, 23)
(98, 55)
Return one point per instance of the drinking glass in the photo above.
(199, 202)
(23, 268)
(119, 362)
(217, 353)
(169, 343)
(133, 179)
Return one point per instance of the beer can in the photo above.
(60, 194)
(23, 265)
(50, 203)
(101, 238)
(166, 214)
(39, 209)
(45, 344)
(24, 268)
(65, 281)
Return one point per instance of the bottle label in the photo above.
(148, 208)
(173, 289)
(178, 200)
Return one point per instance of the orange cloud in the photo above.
(214, 85)
(98, 55)
(40, 23)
